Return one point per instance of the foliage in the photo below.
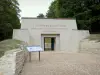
(41, 16)
(86, 12)
(52, 10)
(9, 18)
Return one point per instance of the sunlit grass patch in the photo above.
(9, 44)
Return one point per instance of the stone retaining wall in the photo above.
(12, 62)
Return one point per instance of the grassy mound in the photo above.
(94, 37)
(9, 44)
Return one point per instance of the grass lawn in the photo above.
(9, 44)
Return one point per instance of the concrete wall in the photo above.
(12, 62)
(83, 34)
(75, 36)
(63, 37)
(21, 34)
(69, 40)
(42, 23)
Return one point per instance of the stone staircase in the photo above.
(89, 46)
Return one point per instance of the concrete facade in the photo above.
(33, 31)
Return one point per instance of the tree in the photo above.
(41, 16)
(52, 10)
(86, 12)
(9, 18)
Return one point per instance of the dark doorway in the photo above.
(49, 43)
(52, 43)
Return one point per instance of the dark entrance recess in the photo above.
(51, 41)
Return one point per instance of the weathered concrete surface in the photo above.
(62, 63)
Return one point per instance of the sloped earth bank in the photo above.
(91, 44)
(62, 63)
(10, 44)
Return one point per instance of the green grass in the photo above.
(94, 37)
(9, 44)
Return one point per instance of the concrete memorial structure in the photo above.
(51, 34)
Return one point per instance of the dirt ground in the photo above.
(62, 63)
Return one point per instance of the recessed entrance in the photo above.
(49, 43)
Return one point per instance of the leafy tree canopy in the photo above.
(86, 12)
(9, 18)
(41, 16)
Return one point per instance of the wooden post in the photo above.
(39, 55)
(29, 56)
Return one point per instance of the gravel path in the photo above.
(62, 63)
